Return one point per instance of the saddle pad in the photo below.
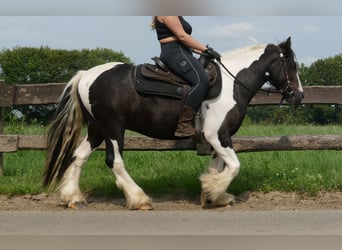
(144, 85)
(155, 87)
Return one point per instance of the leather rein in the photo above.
(288, 91)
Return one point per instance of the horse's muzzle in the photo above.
(294, 97)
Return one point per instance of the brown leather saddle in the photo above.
(157, 79)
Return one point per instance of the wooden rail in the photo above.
(49, 93)
(13, 143)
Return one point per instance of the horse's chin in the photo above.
(295, 99)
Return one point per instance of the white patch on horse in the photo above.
(215, 183)
(69, 188)
(300, 87)
(88, 78)
(135, 196)
(214, 111)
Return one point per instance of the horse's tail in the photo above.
(64, 133)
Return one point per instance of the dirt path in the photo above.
(246, 201)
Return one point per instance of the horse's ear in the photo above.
(288, 42)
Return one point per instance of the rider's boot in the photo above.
(185, 126)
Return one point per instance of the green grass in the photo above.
(175, 173)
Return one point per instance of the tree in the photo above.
(326, 72)
(44, 65)
(26, 65)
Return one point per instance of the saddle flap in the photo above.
(157, 86)
(154, 72)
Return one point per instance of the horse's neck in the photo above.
(251, 79)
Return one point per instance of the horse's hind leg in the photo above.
(69, 187)
(135, 196)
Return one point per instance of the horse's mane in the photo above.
(236, 52)
(289, 54)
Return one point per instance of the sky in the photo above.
(315, 29)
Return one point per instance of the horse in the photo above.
(104, 97)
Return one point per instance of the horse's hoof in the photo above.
(77, 205)
(206, 202)
(203, 200)
(145, 207)
(223, 200)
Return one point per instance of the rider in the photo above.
(177, 45)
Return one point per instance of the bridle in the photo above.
(286, 92)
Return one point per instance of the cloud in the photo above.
(231, 30)
(253, 39)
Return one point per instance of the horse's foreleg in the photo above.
(69, 189)
(223, 168)
(135, 196)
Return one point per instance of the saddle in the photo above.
(157, 79)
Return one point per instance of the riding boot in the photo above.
(185, 126)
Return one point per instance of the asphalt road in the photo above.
(206, 222)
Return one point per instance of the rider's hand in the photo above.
(212, 54)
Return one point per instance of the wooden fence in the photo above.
(16, 95)
(25, 94)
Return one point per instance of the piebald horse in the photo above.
(104, 97)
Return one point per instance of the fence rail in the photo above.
(13, 143)
(27, 94)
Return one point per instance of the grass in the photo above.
(175, 173)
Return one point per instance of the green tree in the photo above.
(325, 72)
(43, 65)
(26, 65)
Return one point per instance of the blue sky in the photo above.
(315, 25)
(313, 37)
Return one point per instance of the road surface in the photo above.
(206, 222)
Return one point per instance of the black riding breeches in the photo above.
(180, 60)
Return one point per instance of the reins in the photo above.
(269, 91)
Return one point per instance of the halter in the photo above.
(286, 92)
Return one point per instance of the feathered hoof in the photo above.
(77, 205)
(223, 200)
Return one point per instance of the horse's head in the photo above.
(283, 73)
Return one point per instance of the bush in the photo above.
(306, 114)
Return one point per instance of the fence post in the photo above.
(1, 132)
